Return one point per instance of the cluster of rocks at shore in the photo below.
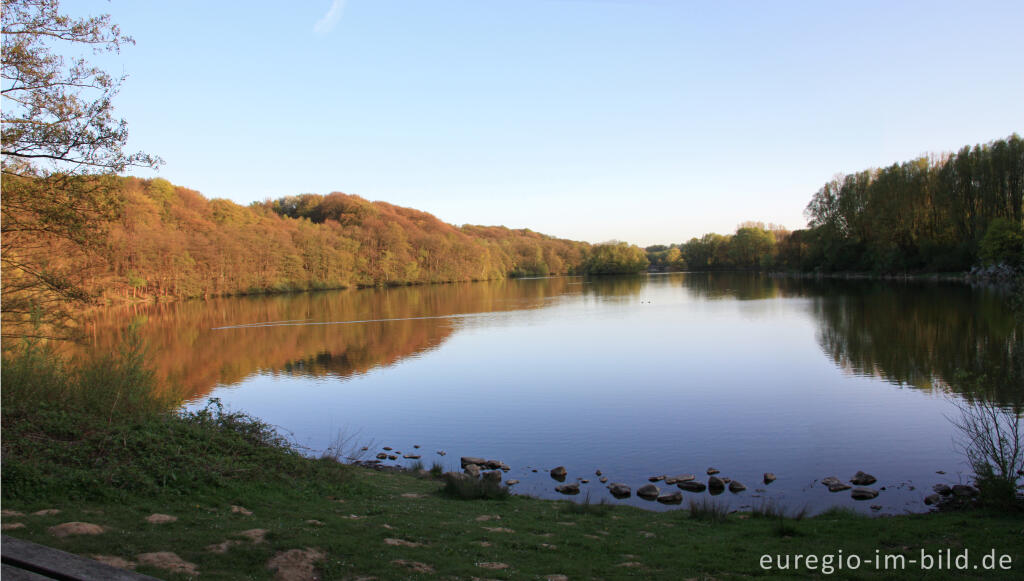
(859, 484)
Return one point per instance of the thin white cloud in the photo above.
(329, 20)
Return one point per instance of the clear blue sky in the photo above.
(650, 121)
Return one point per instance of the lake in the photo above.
(634, 376)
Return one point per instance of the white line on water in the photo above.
(304, 322)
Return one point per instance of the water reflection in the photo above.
(198, 345)
(928, 336)
(918, 334)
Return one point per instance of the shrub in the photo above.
(1003, 242)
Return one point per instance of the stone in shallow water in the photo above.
(735, 486)
(863, 479)
(648, 492)
(692, 486)
(861, 493)
(620, 490)
(559, 473)
(675, 497)
(769, 477)
(572, 488)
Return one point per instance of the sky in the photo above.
(650, 121)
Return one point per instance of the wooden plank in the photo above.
(12, 573)
(56, 564)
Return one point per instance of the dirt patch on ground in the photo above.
(483, 543)
(295, 565)
(159, 519)
(414, 565)
(47, 512)
(315, 523)
(255, 535)
(75, 528)
(630, 564)
(10, 526)
(556, 578)
(402, 543)
(413, 495)
(487, 517)
(113, 561)
(498, 530)
(493, 566)
(241, 510)
(548, 546)
(221, 548)
(6, 512)
(168, 561)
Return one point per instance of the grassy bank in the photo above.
(246, 502)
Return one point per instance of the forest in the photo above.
(152, 240)
(938, 213)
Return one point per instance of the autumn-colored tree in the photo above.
(60, 146)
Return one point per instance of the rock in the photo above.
(571, 488)
(382, 456)
(492, 476)
(597, 473)
(47, 512)
(584, 481)
(656, 478)
(240, 510)
(387, 448)
(876, 507)
(465, 460)
(603, 479)
(964, 490)
(691, 486)
(511, 482)
(411, 456)
(943, 489)
(716, 482)
(933, 499)
(863, 479)
(735, 486)
(392, 457)
(505, 467)
(713, 471)
(769, 477)
(838, 487)
(675, 497)
(830, 480)
(10, 526)
(679, 478)
(620, 490)
(648, 492)
(472, 470)
(861, 493)
(441, 453)
(559, 473)
(492, 465)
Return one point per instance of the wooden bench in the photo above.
(24, 561)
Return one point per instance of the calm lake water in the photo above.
(635, 376)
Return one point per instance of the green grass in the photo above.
(115, 468)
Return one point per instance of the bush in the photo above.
(1003, 243)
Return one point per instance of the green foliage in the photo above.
(616, 258)
(475, 489)
(925, 214)
(1003, 243)
(600, 508)
(710, 511)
